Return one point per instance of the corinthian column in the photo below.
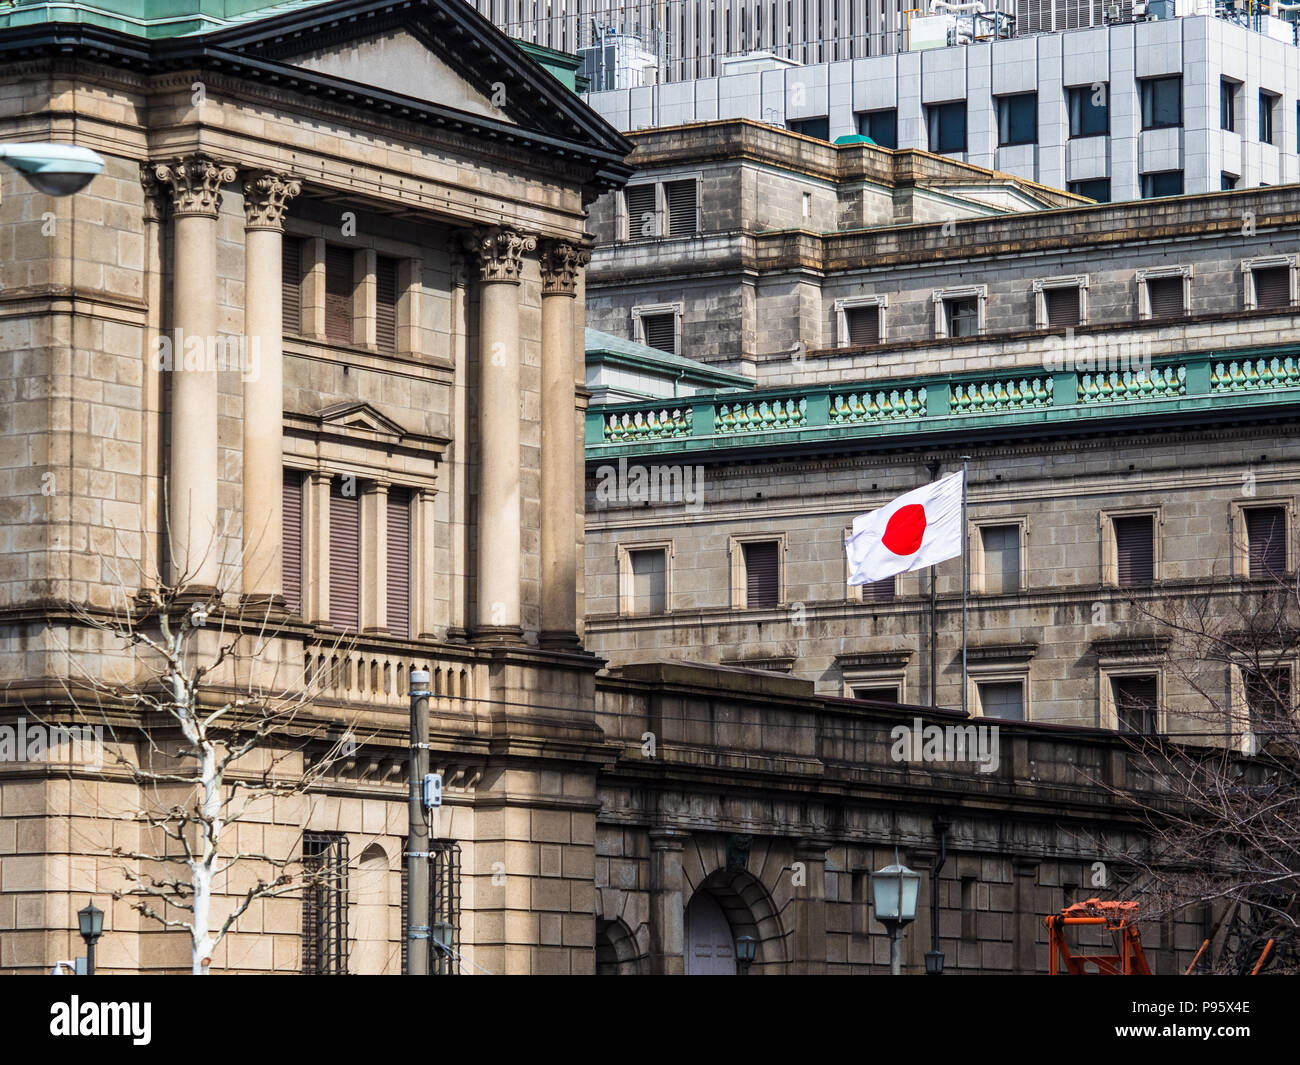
(561, 263)
(499, 253)
(195, 184)
(266, 201)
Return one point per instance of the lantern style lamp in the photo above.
(90, 921)
(745, 949)
(893, 893)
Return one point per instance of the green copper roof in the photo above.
(605, 347)
(147, 18)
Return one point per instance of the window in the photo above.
(1166, 296)
(1095, 189)
(291, 557)
(325, 904)
(345, 554)
(961, 317)
(1266, 541)
(660, 331)
(649, 581)
(683, 214)
(1228, 104)
(1164, 183)
(1227, 181)
(386, 304)
(1136, 702)
(1267, 102)
(1000, 546)
(399, 562)
(291, 284)
(1062, 306)
(885, 694)
(1162, 102)
(1089, 111)
(762, 573)
(880, 126)
(946, 124)
(1268, 696)
(1134, 550)
(339, 288)
(811, 127)
(1272, 286)
(1002, 698)
(1018, 119)
(881, 591)
(642, 211)
(863, 325)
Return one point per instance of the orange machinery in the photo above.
(1118, 917)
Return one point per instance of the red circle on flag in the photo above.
(905, 529)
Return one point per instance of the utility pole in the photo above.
(417, 837)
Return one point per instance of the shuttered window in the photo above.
(864, 325)
(399, 562)
(1001, 545)
(291, 285)
(1135, 704)
(762, 574)
(660, 331)
(1273, 287)
(386, 304)
(1266, 536)
(642, 220)
(683, 218)
(1166, 297)
(1062, 306)
(649, 581)
(1005, 699)
(345, 554)
(325, 904)
(887, 694)
(338, 295)
(291, 557)
(881, 591)
(1135, 550)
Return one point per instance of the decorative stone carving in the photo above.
(500, 251)
(194, 182)
(153, 193)
(561, 261)
(266, 198)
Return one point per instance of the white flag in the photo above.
(914, 531)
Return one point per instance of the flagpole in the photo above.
(933, 467)
(965, 580)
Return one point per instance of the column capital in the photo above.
(194, 182)
(499, 252)
(153, 193)
(561, 261)
(668, 839)
(266, 198)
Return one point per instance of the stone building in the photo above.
(1123, 378)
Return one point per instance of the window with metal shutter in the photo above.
(291, 556)
(1266, 535)
(1166, 297)
(338, 295)
(642, 211)
(386, 304)
(291, 285)
(864, 325)
(1135, 550)
(399, 562)
(660, 331)
(325, 904)
(683, 217)
(1062, 306)
(649, 581)
(881, 591)
(762, 577)
(345, 555)
(1135, 704)
(887, 694)
(1001, 545)
(1273, 287)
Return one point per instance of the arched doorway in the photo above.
(710, 942)
(617, 952)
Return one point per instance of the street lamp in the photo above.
(91, 922)
(893, 893)
(55, 169)
(745, 948)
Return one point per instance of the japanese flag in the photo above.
(914, 531)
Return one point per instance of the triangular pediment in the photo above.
(359, 417)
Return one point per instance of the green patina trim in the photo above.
(151, 19)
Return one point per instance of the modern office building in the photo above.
(1181, 105)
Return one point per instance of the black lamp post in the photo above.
(745, 948)
(90, 920)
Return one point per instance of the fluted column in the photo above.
(562, 262)
(500, 253)
(193, 518)
(266, 201)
